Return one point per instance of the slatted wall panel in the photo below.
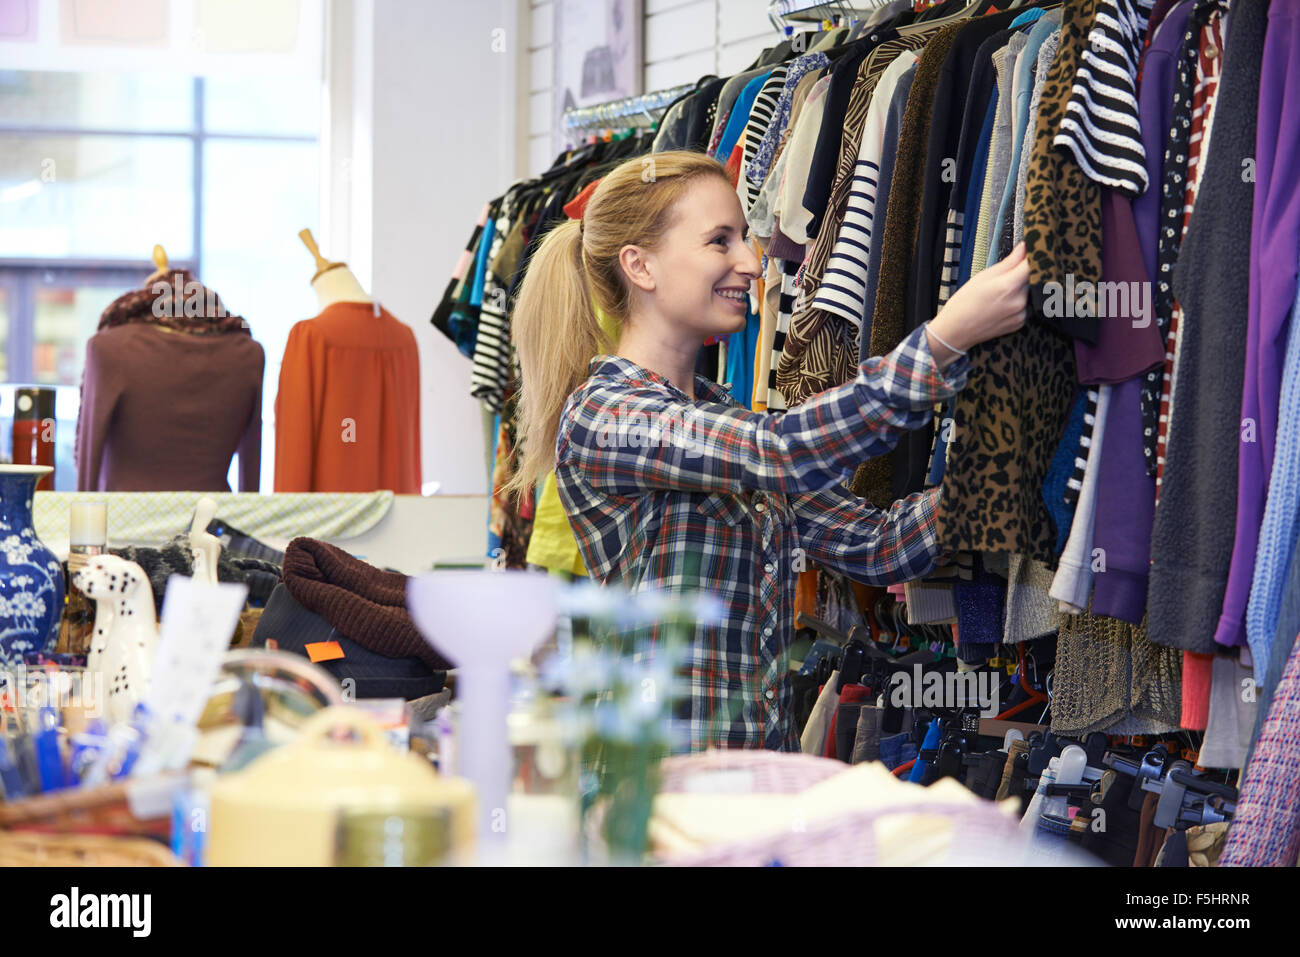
(683, 41)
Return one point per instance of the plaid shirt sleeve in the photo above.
(628, 439)
(841, 531)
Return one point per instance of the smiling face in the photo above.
(702, 269)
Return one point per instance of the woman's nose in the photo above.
(748, 265)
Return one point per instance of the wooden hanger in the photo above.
(323, 265)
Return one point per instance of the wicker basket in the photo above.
(23, 849)
(127, 808)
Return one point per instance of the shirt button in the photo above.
(770, 694)
(768, 568)
(767, 632)
(1211, 52)
(759, 507)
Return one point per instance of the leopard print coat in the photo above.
(1011, 415)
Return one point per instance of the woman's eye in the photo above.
(721, 239)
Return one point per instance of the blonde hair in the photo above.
(576, 271)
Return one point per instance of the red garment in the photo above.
(848, 694)
(735, 161)
(576, 208)
(347, 415)
(1197, 670)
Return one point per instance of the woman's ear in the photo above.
(635, 263)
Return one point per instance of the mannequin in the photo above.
(333, 282)
(143, 426)
(347, 413)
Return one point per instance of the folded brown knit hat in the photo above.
(364, 603)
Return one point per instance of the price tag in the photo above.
(319, 651)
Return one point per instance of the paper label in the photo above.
(198, 621)
(319, 651)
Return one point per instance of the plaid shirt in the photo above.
(663, 492)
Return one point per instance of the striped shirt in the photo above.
(667, 493)
(757, 169)
(1074, 484)
(844, 285)
(492, 346)
(789, 270)
(760, 118)
(1101, 126)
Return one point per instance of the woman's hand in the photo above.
(992, 303)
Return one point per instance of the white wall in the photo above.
(435, 107)
(683, 41)
(421, 133)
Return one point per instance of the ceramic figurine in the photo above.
(31, 581)
(205, 548)
(126, 633)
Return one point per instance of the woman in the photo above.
(667, 482)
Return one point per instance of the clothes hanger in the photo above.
(852, 663)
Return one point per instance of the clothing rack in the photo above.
(783, 13)
(643, 108)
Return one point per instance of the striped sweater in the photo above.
(1101, 127)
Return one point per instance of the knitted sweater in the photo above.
(364, 603)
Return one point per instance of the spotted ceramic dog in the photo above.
(126, 633)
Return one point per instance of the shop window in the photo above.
(95, 168)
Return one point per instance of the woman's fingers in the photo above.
(1012, 260)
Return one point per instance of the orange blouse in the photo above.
(347, 414)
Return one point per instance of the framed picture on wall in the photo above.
(597, 54)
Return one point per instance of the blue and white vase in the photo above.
(31, 579)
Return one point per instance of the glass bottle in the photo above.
(87, 537)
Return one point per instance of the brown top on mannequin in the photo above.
(333, 281)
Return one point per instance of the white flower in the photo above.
(25, 604)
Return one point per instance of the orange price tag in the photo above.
(319, 651)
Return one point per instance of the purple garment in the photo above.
(1159, 12)
(1275, 237)
(1126, 509)
(1155, 106)
(1128, 341)
(1125, 492)
(781, 246)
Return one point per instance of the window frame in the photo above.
(22, 300)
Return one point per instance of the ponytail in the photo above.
(557, 334)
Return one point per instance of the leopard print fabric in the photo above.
(1062, 205)
(1017, 398)
(1006, 422)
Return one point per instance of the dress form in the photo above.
(333, 282)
